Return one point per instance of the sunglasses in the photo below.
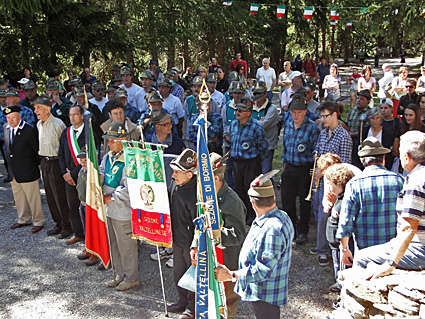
(242, 111)
(409, 87)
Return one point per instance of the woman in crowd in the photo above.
(421, 81)
(421, 103)
(409, 98)
(68, 87)
(241, 71)
(222, 83)
(331, 83)
(398, 87)
(374, 118)
(367, 82)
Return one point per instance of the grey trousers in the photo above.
(265, 310)
(123, 249)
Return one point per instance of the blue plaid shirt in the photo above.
(248, 140)
(340, 143)
(298, 144)
(177, 91)
(369, 207)
(215, 130)
(265, 259)
(26, 114)
(130, 111)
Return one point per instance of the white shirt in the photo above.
(267, 76)
(286, 98)
(100, 104)
(384, 82)
(136, 95)
(173, 106)
(219, 98)
(78, 130)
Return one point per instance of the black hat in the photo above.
(51, 84)
(30, 85)
(147, 75)
(12, 92)
(197, 80)
(125, 70)
(365, 93)
(234, 76)
(120, 92)
(116, 130)
(83, 153)
(159, 115)
(153, 96)
(245, 103)
(298, 103)
(11, 109)
(75, 80)
(165, 82)
(186, 161)
(153, 62)
(237, 87)
(260, 87)
(44, 100)
(211, 77)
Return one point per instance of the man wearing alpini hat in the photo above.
(369, 205)
(265, 257)
(118, 211)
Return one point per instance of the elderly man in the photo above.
(21, 150)
(12, 99)
(249, 148)
(135, 93)
(172, 104)
(72, 141)
(262, 277)
(407, 250)
(183, 211)
(284, 80)
(118, 211)
(300, 139)
(215, 95)
(266, 114)
(31, 95)
(286, 97)
(50, 129)
(368, 209)
(268, 75)
(75, 80)
(233, 233)
(87, 79)
(98, 91)
(354, 117)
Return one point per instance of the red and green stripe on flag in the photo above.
(308, 12)
(334, 14)
(254, 8)
(281, 11)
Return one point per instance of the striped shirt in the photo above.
(265, 259)
(49, 133)
(369, 207)
(340, 143)
(411, 201)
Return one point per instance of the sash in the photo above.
(73, 145)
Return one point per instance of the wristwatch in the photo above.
(344, 249)
(392, 263)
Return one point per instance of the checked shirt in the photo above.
(369, 207)
(265, 259)
(298, 144)
(340, 143)
(248, 140)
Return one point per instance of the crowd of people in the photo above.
(367, 169)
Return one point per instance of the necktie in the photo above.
(12, 137)
(76, 133)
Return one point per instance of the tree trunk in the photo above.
(333, 41)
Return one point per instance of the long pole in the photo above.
(162, 281)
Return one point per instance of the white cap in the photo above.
(294, 74)
(23, 81)
(384, 66)
(387, 101)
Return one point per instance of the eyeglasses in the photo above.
(324, 116)
(219, 72)
(165, 124)
(409, 86)
(242, 69)
(242, 111)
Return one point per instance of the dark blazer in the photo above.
(388, 137)
(22, 155)
(65, 158)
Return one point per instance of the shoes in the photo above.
(17, 225)
(73, 240)
(84, 255)
(54, 231)
(313, 251)
(187, 315)
(7, 180)
(176, 308)
(336, 287)
(124, 285)
(301, 239)
(36, 229)
(92, 261)
(100, 266)
(323, 260)
(170, 262)
(115, 283)
(64, 234)
(163, 254)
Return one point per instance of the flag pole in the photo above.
(205, 99)
(162, 280)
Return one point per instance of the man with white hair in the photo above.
(385, 81)
(407, 249)
(286, 98)
(268, 75)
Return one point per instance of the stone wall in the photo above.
(399, 295)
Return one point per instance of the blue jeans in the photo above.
(413, 258)
(269, 95)
(321, 220)
(229, 169)
(266, 165)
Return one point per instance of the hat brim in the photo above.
(267, 191)
(373, 151)
(113, 137)
(176, 166)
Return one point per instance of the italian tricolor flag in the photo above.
(280, 11)
(254, 8)
(349, 24)
(96, 235)
(333, 24)
(334, 14)
(227, 3)
(308, 12)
